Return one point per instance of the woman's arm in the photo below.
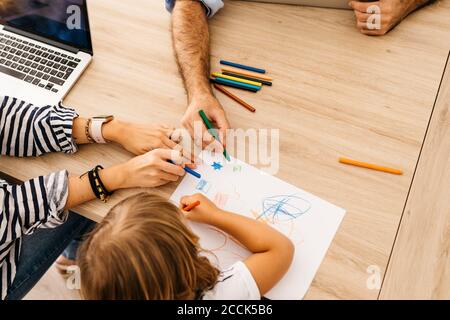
(44, 201)
(272, 251)
(27, 130)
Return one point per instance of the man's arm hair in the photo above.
(191, 45)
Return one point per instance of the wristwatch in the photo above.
(95, 127)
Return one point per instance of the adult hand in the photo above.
(377, 18)
(215, 113)
(140, 139)
(151, 169)
(206, 212)
(145, 171)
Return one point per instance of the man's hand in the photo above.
(214, 112)
(191, 44)
(377, 18)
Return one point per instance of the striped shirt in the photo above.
(27, 130)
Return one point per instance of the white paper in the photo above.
(310, 222)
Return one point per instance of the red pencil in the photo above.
(191, 206)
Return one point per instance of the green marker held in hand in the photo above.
(213, 132)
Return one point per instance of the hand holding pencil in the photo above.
(205, 212)
(214, 111)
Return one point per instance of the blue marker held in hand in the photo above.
(188, 170)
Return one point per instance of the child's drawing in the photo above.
(217, 166)
(235, 186)
(237, 168)
(221, 199)
(283, 208)
(203, 186)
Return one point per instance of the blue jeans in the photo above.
(42, 248)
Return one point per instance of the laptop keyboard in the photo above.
(42, 67)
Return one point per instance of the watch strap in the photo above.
(95, 130)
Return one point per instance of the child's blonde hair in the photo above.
(144, 250)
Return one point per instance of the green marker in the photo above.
(213, 132)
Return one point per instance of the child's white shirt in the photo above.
(235, 283)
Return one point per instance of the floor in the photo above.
(52, 287)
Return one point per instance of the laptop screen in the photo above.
(63, 21)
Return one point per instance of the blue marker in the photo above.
(241, 66)
(236, 84)
(189, 170)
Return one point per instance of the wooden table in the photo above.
(420, 263)
(336, 93)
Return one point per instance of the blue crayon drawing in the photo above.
(217, 166)
(203, 186)
(283, 208)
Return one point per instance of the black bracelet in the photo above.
(97, 176)
(97, 185)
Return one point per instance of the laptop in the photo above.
(45, 45)
(340, 4)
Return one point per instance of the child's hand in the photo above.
(206, 212)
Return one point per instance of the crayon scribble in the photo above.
(221, 199)
(283, 208)
(203, 186)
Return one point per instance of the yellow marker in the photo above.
(219, 75)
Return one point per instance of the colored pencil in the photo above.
(213, 132)
(189, 170)
(265, 82)
(224, 76)
(232, 96)
(246, 73)
(191, 206)
(241, 66)
(234, 84)
(244, 85)
(369, 166)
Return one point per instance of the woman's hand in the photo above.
(207, 212)
(137, 138)
(146, 171)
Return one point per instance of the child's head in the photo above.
(144, 250)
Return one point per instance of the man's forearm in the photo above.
(191, 43)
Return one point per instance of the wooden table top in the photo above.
(336, 93)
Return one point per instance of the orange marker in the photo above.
(191, 206)
(247, 73)
(369, 166)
